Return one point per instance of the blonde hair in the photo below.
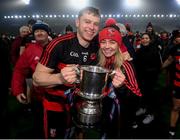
(117, 62)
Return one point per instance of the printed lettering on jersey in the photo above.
(85, 56)
(74, 54)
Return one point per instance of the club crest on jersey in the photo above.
(93, 56)
(74, 54)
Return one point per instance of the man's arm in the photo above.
(168, 61)
(44, 76)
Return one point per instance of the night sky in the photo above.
(9, 7)
(59, 7)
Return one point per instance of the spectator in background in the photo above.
(30, 38)
(150, 30)
(130, 34)
(148, 64)
(127, 40)
(5, 38)
(24, 69)
(30, 23)
(68, 29)
(174, 57)
(18, 43)
(137, 41)
(164, 41)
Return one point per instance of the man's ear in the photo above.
(77, 22)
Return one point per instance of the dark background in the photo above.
(43, 7)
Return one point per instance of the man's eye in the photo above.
(87, 21)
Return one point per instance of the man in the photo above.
(174, 58)
(18, 42)
(68, 29)
(57, 68)
(25, 67)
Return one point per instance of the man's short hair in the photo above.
(22, 28)
(93, 10)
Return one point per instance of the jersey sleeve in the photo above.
(52, 54)
(130, 81)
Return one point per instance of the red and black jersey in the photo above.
(67, 50)
(62, 51)
(175, 52)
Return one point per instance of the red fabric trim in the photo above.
(131, 81)
(177, 75)
(177, 66)
(176, 83)
(52, 106)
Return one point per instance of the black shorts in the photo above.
(176, 92)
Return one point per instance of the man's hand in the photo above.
(22, 98)
(69, 74)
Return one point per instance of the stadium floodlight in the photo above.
(37, 16)
(78, 4)
(132, 3)
(178, 2)
(27, 2)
